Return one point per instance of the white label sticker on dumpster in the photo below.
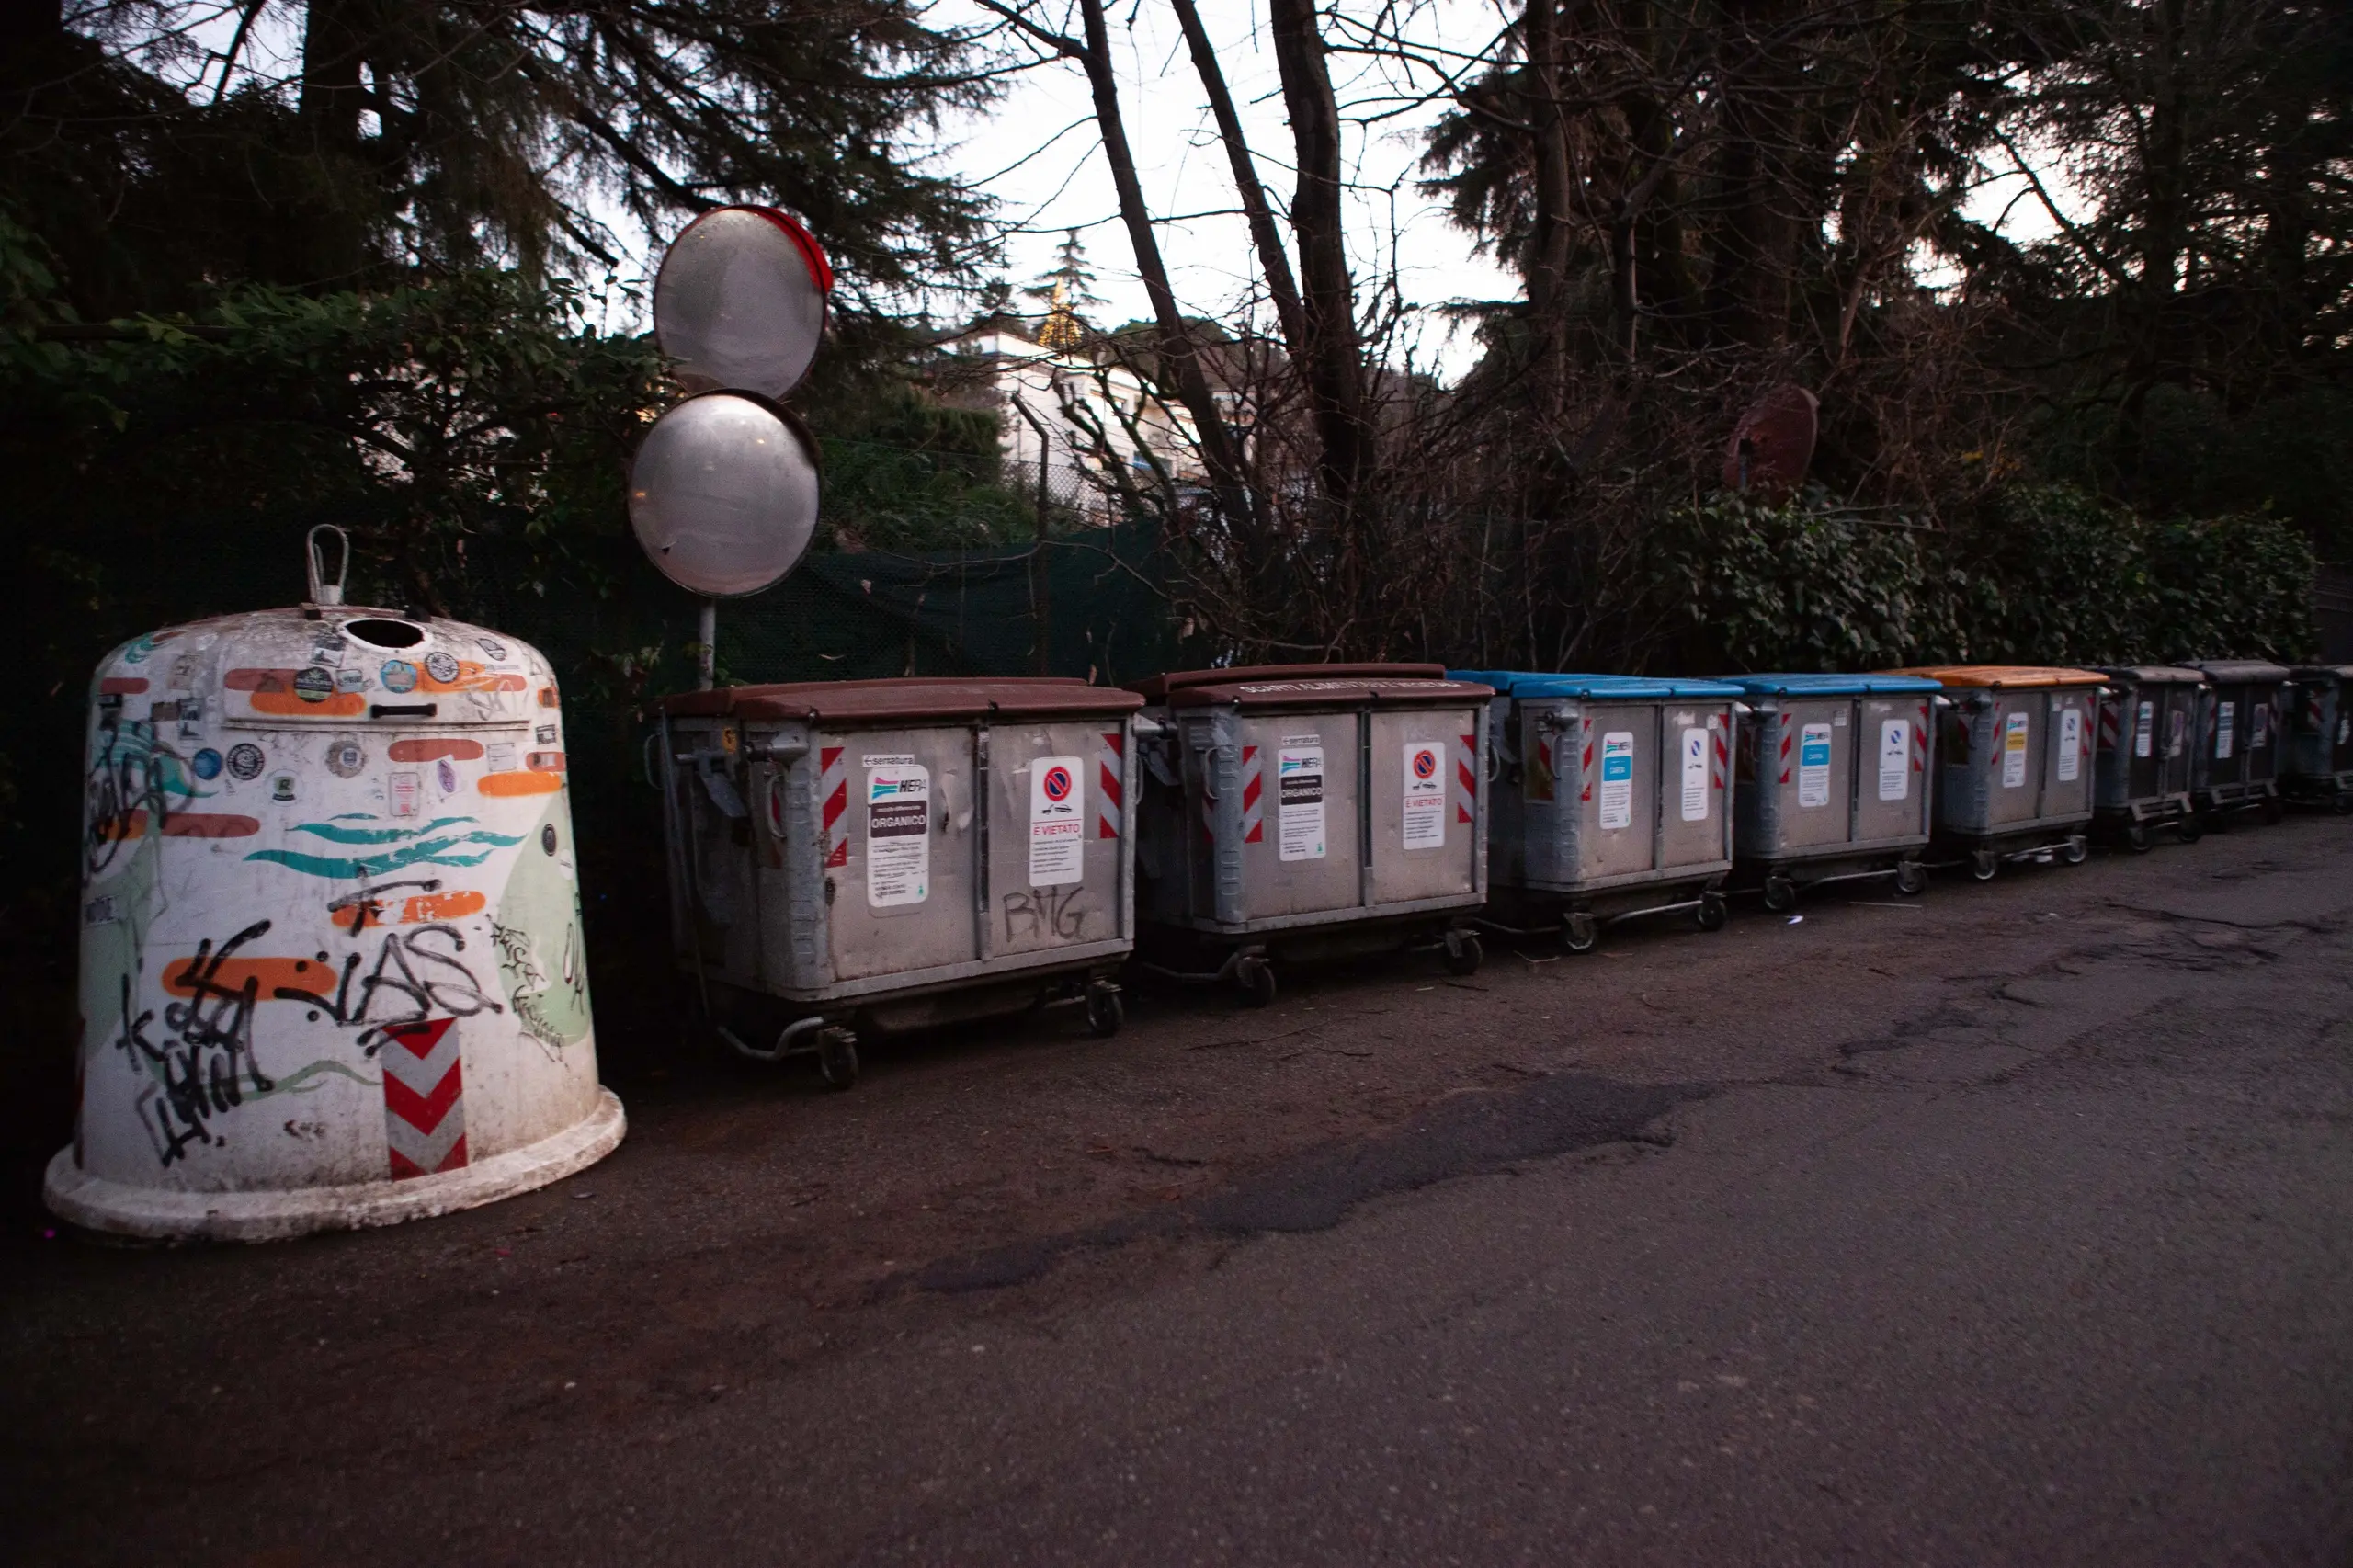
(1694, 775)
(2014, 731)
(1057, 823)
(1425, 795)
(2259, 733)
(2224, 713)
(1616, 780)
(1813, 766)
(2070, 743)
(1894, 759)
(1299, 799)
(2145, 730)
(898, 831)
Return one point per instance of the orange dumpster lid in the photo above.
(2002, 678)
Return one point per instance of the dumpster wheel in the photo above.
(1462, 953)
(1710, 914)
(1579, 932)
(837, 1058)
(2192, 828)
(2077, 850)
(2273, 809)
(1982, 864)
(2137, 838)
(1256, 977)
(1911, 878)
(1104, 1011)
(1781, 894)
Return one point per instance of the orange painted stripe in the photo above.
(342, 705)
(442, 907)
(472, 677)
(269, 975)
(525, 783)
(430, 750)
(122, 685)
(258, 680)
(208, 824)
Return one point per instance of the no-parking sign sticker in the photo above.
(1057, 823)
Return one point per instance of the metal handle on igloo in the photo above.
(322, 591)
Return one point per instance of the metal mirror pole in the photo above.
(707, 633)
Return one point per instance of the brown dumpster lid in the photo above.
(2003, 677)
(2258, 670)
(1008, 697)
(1157, 689)
(1332, 692)
(2154, 675)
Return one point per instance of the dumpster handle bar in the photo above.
(783, 1046)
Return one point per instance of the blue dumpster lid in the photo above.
(1831, 684)
(1525, 683)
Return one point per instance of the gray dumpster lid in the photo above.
(2243, 670)
(2154, 675)
(2325, 672)
(1010, 697)
(1157, 689)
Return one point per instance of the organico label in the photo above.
(1057, 823)
(1424, 796)
(2144, 729)
(2225, 715)
(2014, 732)
(2071, 744)
(1894, 759)
(1694, 775)
(1616, 780)
(898, 831)
(1299, 796)
(1813, 766)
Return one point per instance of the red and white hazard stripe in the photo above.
(1585, 768)
(424, 1104)
(1466, 777)
(833, 787)
(2112, 716)
(1720, 753)
(1254, 790)
(1920, 740)
(1110, 783)
(1789, 734)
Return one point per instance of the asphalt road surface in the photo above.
(2009, 1224)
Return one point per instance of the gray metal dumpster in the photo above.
(2236, 766)
(2318, 768)
(2148, 722)
(893, 853)
(1834, 774)
(1613, 798)
(2015, 772)
(1291, 812)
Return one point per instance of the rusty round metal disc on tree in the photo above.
(1772, 446)
(740, 301)
(723, 493)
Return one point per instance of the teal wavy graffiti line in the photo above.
(424, 852)
(305, 1080)
(333, 834)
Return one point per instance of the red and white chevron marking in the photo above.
(1585, 768)
(1789, 734)
(1920, 738)
(424, 1104)
(1466, 777)
(833, 787)
(2111, 715)
(1111, 783)
(1720, 753)
(1254, 791)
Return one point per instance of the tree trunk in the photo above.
(1281, 287)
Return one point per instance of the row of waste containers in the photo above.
(883, 854)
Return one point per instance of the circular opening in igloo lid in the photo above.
(384, 633)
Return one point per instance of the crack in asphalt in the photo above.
(1480, 1133)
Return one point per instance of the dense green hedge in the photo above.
(2037, 574)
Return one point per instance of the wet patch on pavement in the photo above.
(1475, 1134)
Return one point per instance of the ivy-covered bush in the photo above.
(2042, 573)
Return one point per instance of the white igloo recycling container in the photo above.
(332, 966)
